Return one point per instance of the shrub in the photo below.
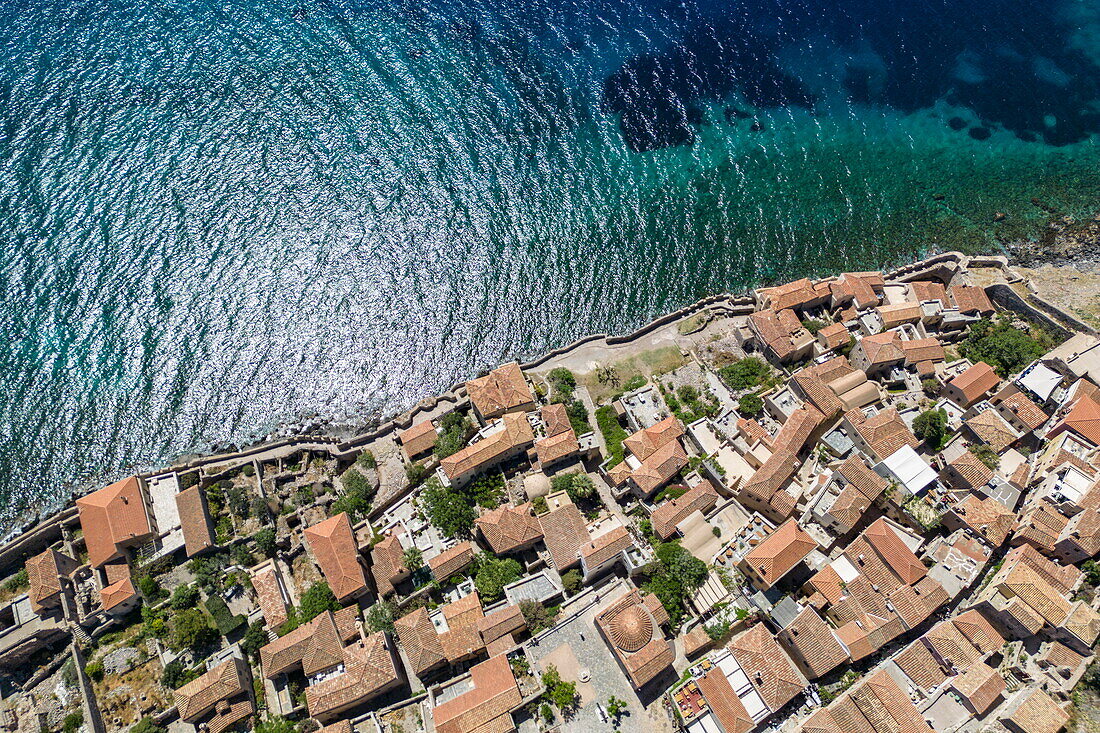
(746, 373)
(931, 427)
(278, 724)
(577, 485)
(241, 555)
(413, 558)
(717, 631)
(750, 405)
(207, 570)
(149, 587)
(146, 725)
(358, 492)
(493, 573)
(547, 713)
(613, 433)
(176, 675)
(239, 501)
(189, 629)
(94, 670)
(572, 581)
(812, 325)
(986, 455)
(367, 460)
(930, 385)
(265, 541)
(184, 596)
(248, 470)
(18, 581)
(224, 619)
(317, 599)
(72, 722)
(448, 510)
(559, 692)
(616, 708)
(416, 473)
(1004, 347)
(537, 616)
(563, 382)
(539, 505)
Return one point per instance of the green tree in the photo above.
(149, 587)
(254, 638)
(184, 596)
(676, 576)
(571, 581)
(72, 722)
(559, 692)
(176, 675)
(265, 541)
(146, 725)
(493, 573)
(750, 405)
(931, 427)
(1003, 346)
(454, 427)
(380, 616)
(563, 381)
(416, 473)
(448, 511)
(537, 616)
(190, 630)
(577, 485)
(616, 709)
(277, 724)
(367, 460)
(413, 558)
(94, 670)
(317, 599)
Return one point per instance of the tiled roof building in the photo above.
(510, 528)
(979, 688)
(270, 593)
(1033, 711)
(486, 706)
(450, 561)
(420, 641)
(973, 384)
(113, 519)
(988, 518)
(314, 646)
(671, 512)
(368, 669)
(500, 391)
(198, 536)
(334, 547)
(632, 627)
(564, 531)
(883, 434)
(971, 300)
(418, 439)
(778, 554)
(775, 677)
(561, 440)
(44, 573)
(813, 644)
(991, 429)
(388, 563)
(221, 684)
(513, 436)
(119, 595)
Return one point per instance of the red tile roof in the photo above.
(977, 381)
(201, 695)
(671, 512)
(194, 520)
(813, 641)
(1083, 419)
(494, 696)
(724, 703)
(897, 556)
(515, 433)
(564, 531)
(1026, 411)
(987, 517)
(648, 441)
(971, 299)
(634, 634)
(44, 572)
(420, 640)
(885, 433)
(508, 528)
(270, 594)
(981, 686)
(419, 438)
(369, 670)
(449, 562)
(500, 390)
(780, 552)
(314, 646)
(1036, 712)
(388, 563)
(337, 552)
(770, 670)
(113, 518)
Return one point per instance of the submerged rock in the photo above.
(957, 123)
(979, 133)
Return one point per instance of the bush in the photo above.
(189, 629)
(537, 616)
(265, 541)
(146, 725)
(149, 587)
(486, 491)
(224, 619)
(18, 581)
(986, 455)
(448, 510)
(239, 501)
(613, 433)
(207, 570)
(572, 581)
(72, 722)
(1002, 346)
(750, 405)
(745, 374)
(413, 558)
(184, 596)
(547, 713)
(248, 470)
(367, 460)
(358, 492)
(717, 631)
(930, 386)
(539, 505)
(315, 601)
(94, 670)
(931, 427)
(416, 473)
(564, 383)
(242, 555)
(676, 576)
(812, 325)
(454, 427)
(254, 638)
(493, 573)
(277, 724)
(176, 675)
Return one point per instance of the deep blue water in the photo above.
(215, 216)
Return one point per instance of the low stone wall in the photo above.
(1009, 299)
(36, 540)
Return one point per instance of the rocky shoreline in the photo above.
(1064, 242)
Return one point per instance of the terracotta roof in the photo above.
(660, 467)
(915, 603)
(952, 645)
(201, 695)
(1036, 712)
(724, 702)
(508, 528)
(419, 639)
(1084, 419)
(775, 336)
(334, 547)
(987, 517)
(926, 349)
(340, 726)
(194, 520)
(919, 665)
(227, 714)
(633, 631)
(783, 462)
(973, 471)
(977, 381)
(885, 433)
(754, 430)
(500, 390)
(980, 685)
(44, 572)
(978, 631)
(514, 433)
(314, 646)
(897, 556)
(882, 348)
(848, 717)
(1083, 622)
(849, 507)
(857, 473)
(648, 441)
(449, 562)
(821, 721)
(387, 559)
(564, 531)
(113, 518)
(813, 640)
(887, 707)
(606, 547)
(369, 670)
(418, 439)
(992, 429)
(501, 622)
(834, 335)
(1058, 654)
(1026, 411)
(671, 512)
(556, 419)
(971, 299)
(929, 290)
(895, 314)
(1040, 524)
(270, 594)
(1026, 584)
(557, 447)
(495, 695)
(789, 295)
(828, 583)
(768, 667)
(1064, 578)
(118, 591)
(780, 551)
(867, 633)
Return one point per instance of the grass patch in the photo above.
(613, 433)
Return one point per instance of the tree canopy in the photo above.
(493, 573)
(931, 427)
(1003, 346)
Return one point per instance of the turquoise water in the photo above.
(217, 216)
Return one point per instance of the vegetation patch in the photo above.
(1003, 346)
(613, 434)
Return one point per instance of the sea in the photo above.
(217, 217)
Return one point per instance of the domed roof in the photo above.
(631, 629)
